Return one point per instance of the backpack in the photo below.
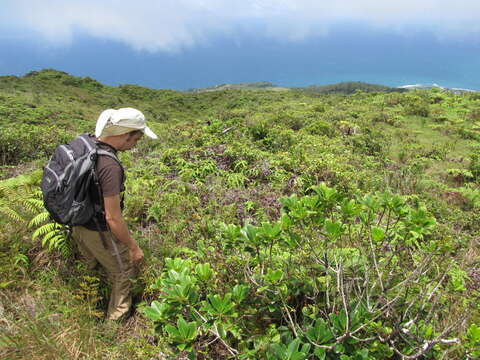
(67, 179)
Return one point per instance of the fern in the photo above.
(45, 229)
(472, 195)
(53, 235)
(19, 202)
(39, 219)
(53, 241)
(10, 213)
(33, 205)
(18, 198)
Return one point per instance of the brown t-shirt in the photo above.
(111, 177)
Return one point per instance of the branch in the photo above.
(427, 344)
(230, 349)
(224, 131)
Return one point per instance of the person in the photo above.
(105, 239)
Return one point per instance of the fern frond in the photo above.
(10, 213)
(37, 194)
(5, 191)
(33, 205)
(50, 235)
(39, 219)
(44, 229)
(65, 248)
(53, 242)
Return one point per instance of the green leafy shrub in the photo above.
(474, 166)
(472, 196)
(314, 311)
(416, 106)
(369, 143)
(468, 134)
(320, 127)
(460, 176)
(24, 142)
(259, 130)
(319, 108)
(474, 114)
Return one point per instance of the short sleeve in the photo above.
(110, 176)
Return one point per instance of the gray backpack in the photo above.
(67, 179)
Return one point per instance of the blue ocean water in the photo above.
(346, 54)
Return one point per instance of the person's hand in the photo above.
(136, 255)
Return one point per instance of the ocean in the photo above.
(379, 57)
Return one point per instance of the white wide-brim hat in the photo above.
(122, 119)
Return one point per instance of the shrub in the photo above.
(291, 121)
(384, 117)
(319, 108)
(370, 143)
(393, 99)
(259, 130)
(460, 176)
(24, 142)
(474, 166)
(332, 276)
(468, 134)
(474, 115)
(320, 127)
(417, 106)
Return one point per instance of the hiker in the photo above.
(105, 239)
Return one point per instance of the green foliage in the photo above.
(415, 105)
(286, 224)
(350, 88)
(474, 166)
(292, 351)
(183, 334)
(23, 142)
(472, 197)
(473, 339)
(320, 127)
(316, 229)
(460, 176)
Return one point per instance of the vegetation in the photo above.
(341, 88)
(260, 85)
(350, 87)
(276, 225)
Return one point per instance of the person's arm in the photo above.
(116, 222)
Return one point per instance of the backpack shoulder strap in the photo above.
(101, 152)
(108, 153)
(92, 143)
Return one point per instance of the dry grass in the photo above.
(33, 327)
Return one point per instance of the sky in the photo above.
(182, 44)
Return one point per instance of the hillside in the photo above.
(275, 224)
(340, 88)
(350, 87)
(262, 85)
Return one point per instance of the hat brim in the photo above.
(147, 131)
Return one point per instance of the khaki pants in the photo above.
(94, 250)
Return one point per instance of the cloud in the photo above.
(170, 25)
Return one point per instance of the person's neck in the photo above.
(112, 141)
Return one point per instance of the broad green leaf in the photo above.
(204, 272)
(320, 353)
(333, 229)
(156, 311)
(239, 292)
(273, 276)
(378, 234)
